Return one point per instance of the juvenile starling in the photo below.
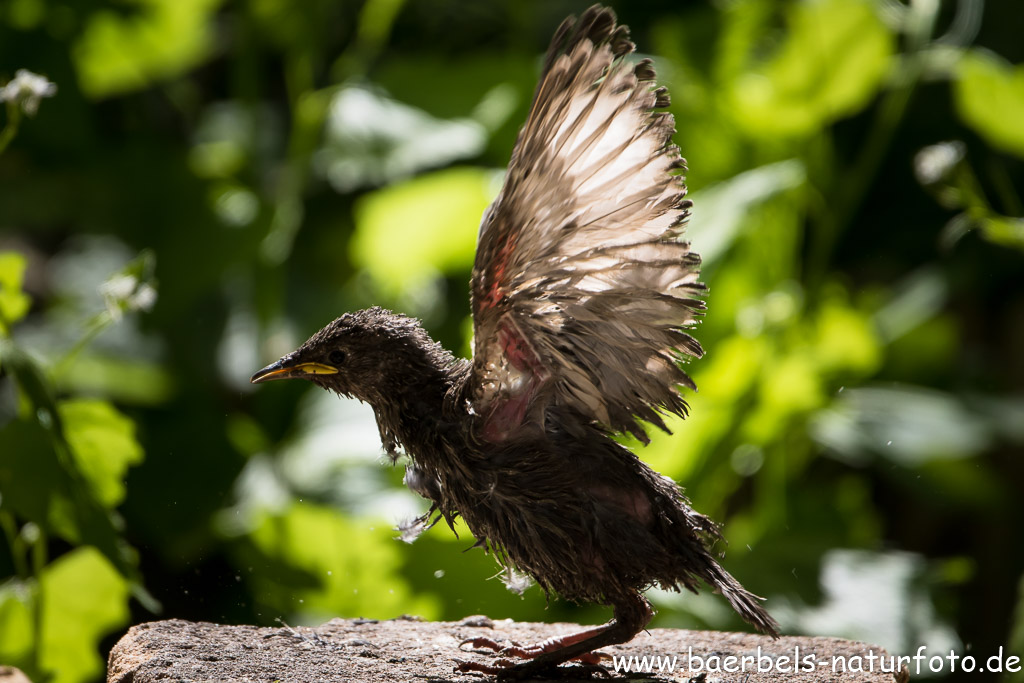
(582, 295)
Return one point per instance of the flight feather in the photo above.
(583, 288)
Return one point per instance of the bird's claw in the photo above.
(496, 668)
(505, 668)
(491, 644)
(513, 649)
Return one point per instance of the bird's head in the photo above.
(368, 354)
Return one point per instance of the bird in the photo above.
(584, 294)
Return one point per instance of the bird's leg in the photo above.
(552, 644)
(632, 613)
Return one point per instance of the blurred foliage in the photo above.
(420, 227)
(856, 168)
(830, 64)
(123, 51)
(61, 477)
(989, 93)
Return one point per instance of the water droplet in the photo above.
(439, 573)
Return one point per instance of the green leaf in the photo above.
(121, 379)
(26, 15)
(845, 341)
(830, 65)
(427, 225)
(121, 52)
(1008, 232)
(14, 303)
(103, 443)
(372, 139)
(725, 377)
(40, 476)
(725, 207)
(16, 623)
(32, 483)
(84, 599)
(791, 384)
(316, 562)
(989, 95)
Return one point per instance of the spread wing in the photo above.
(582, 288)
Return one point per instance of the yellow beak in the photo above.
(283, 370)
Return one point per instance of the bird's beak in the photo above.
(286, 368)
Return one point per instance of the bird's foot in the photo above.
(542, 659)
(493, 669)
(513, 649)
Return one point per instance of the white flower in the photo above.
(126, 292)
(27, 89)
(935, 162)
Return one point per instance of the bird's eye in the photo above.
(336, 357)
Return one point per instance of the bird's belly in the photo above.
(583, 528)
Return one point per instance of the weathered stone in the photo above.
(411, 650)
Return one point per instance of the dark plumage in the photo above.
(582, 294)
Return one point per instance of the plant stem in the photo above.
(857, 181)
(11, 128)
(95, 326)
(10, 528)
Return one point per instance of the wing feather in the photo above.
(582, 288)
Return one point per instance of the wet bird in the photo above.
(583, 294)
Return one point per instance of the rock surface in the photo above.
(410, 650)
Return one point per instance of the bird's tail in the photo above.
(696, 544)
(746, 604)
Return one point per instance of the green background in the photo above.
(261, 167)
